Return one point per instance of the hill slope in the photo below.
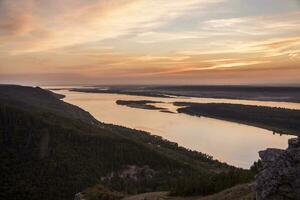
(239, 192)
(52, 150)
(37, 98)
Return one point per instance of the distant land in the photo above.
(261, 93)
(278, 120)
(117, 90)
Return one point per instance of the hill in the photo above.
(52, 150)
(45, 100)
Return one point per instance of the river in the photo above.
(229, 142)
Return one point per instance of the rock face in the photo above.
(132, 172)
(279, 178)
(79, 196)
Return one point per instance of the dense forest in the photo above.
(279, 120)
(53, 150)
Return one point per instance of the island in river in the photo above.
(279, 120)
(142, 104)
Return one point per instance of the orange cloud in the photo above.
(135, 38)
(16, 20)
(281, 43)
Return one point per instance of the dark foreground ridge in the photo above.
(52, 150)
(279, 120)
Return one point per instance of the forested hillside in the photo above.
(52, 150)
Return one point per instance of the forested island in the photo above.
(142, 104)
(279, 120)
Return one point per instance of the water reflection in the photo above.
(234, 143)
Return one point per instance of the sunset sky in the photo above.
(75, 42)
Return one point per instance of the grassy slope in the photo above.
(239, 192)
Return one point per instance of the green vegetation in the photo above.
(100, 192)
(238, 192)
(53, 150)
(205, 184)
(70, 160)
(279, 120)
(42, 100)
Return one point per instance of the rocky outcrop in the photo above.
(279, 178)
(79, 196)
(132, 172)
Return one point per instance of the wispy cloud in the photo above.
(158, 58)
(135, 38)
(92, 21)
(282, 43)
(156, 37)
(255, 25)
(213, 67)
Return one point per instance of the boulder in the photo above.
(279, 178)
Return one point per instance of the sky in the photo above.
(87, 42)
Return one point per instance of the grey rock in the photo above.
(79, 196)
(294, 143)
(280, 174)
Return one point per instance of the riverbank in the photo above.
(278, 120)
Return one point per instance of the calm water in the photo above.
(233, 143)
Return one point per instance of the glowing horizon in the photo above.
(150, 42)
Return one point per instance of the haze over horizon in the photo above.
(77, 42)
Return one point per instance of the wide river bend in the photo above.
(233, 143)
